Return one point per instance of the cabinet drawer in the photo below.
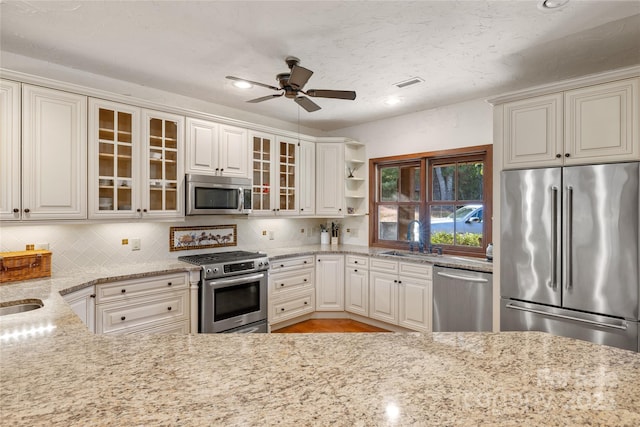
(287, 263)
(423, 271)
(143, 313)
(181, 328)
(292, 306)
(123, 290)
(383, 265)
(288, 281)
(357, 261)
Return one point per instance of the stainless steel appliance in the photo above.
(461, 300)
(232, 294)
(569, 252)
(212, 195)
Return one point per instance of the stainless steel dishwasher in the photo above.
(461, 300)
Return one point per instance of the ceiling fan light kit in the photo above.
(292, 84)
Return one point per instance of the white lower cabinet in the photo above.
(356, 282)
(330, 282)
(291, 289)
(400, 293)
(83, 304)
(158, 304)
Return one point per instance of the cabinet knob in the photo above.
(144, 210)
(305, 303)
(304, 262)
(281, 265)
(395, 281)
(355, 262)
(399, 281)
(27, 210)
(305, 280)
(138, 210)
(567, 154)
(16, 210)
(123, 318)
(169, 308)
(92, 296)
(281, 285)
(169, 284)
(355, 271)
(301, 209)
(558, 155)
(221, 169)
(123, 291)
(282, 309)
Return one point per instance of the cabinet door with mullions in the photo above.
(114, 159)
(163, 180)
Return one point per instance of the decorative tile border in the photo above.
(207, 236)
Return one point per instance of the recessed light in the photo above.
(551, 5)
(241, 84)
(392, 100)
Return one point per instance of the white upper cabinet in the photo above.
(287, 176)
(601, 123)
(307, 183)
(9, 150)
(355, 181)
(215, 149)
(592, 124)
(234, 152)
(533, 131)
(163, 172)
(263, 169)
(114, 160)
(330, 179)
(54, 154)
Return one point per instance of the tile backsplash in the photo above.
(85, 245)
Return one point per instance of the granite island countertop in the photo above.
(53, 371)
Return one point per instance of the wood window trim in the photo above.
(484, 150)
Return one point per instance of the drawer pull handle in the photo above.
(169, 308)
(123, 291)
(123, 318)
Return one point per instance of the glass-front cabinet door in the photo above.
(164, 171)
(287, 176)
(263, 166)
(113, 160)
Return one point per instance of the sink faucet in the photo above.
(411, 235)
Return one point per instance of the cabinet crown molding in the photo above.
(563, 85)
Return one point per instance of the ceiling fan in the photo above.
(291, 85)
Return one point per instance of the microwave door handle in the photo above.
(241, 199)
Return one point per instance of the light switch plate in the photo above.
(135, 244)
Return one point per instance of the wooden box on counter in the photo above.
(24, 265)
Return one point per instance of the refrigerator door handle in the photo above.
(554, 237)
(569, 248)
(622, 326)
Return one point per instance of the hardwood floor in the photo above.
(328, 326)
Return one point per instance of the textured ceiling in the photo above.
(463, 50)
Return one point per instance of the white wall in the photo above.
(452, 126)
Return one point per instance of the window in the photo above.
(432, 199)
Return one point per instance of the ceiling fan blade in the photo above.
(265, 98)
(299, 76)
(337, 94)
(306, 103)
(253, 83)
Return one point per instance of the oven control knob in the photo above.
(260, 264)
(215, 269)
(208, 271)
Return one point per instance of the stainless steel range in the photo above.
(232, 294)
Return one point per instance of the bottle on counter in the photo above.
(490, 252)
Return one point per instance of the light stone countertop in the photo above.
(54, 372)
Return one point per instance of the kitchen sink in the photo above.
(468, 260)
(422, 255)
(14, 307)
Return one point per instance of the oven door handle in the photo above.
(235, 280)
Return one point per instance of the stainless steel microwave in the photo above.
(217, 195)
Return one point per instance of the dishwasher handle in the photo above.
(465, 278)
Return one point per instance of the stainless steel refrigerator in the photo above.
(569, 252)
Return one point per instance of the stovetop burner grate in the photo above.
(220, 257)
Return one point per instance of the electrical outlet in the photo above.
(264, 232)
(135, 244)
(302, 231)
(271, 235)
(125, 242)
